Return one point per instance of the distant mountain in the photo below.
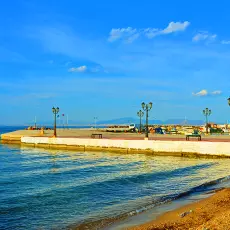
(124, 120)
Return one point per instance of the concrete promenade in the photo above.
(80, 139)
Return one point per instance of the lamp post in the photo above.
(229, 105)
(95, 122)
(55, 112)
(147, 108)
(67, 121)
(140, 114)
(207, 112)
(35, 122)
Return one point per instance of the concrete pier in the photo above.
(178, 148)
(81, 140)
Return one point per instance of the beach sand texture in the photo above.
(212, 213)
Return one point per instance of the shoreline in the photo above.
(120, 150)
(152, 214)
(209, 213)
(129, 143)
(145, 218)
(56, 143)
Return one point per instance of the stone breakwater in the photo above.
(176, 148)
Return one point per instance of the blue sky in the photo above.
(103, 58)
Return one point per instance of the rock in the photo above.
(185, 213)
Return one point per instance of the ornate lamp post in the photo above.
(229, 101)
(207, 112)
(147, 108)
(55, 112)
(140, 114)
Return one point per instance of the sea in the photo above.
(56, 189)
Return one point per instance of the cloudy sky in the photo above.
(103, 58)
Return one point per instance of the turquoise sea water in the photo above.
(44, 189)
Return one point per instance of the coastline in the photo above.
(145, 216)
(209, 213)
(158, 145)
(139, 210)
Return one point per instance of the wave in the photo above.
(106, 222)
(34, 172)
(117, 178)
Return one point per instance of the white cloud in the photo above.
(79, 69)
(216, 92)
(88, 69)
(116, 34)
(205, 92)
(175, 26)
(204, 35)
(130, 34)
(171, 28)
(151, 32)
(202, 93)
(224, 42)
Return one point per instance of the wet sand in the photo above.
(210, 213)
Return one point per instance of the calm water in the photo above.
(43, 189)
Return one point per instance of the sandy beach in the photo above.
(210, 213)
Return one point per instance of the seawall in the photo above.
(155, 147)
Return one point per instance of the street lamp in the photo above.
(207, 112)
(229, 101)
(147, 108)
(35, 122)
(55, 112)
(140, 114)
(95, 122)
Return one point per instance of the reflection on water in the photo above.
(54, 189)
